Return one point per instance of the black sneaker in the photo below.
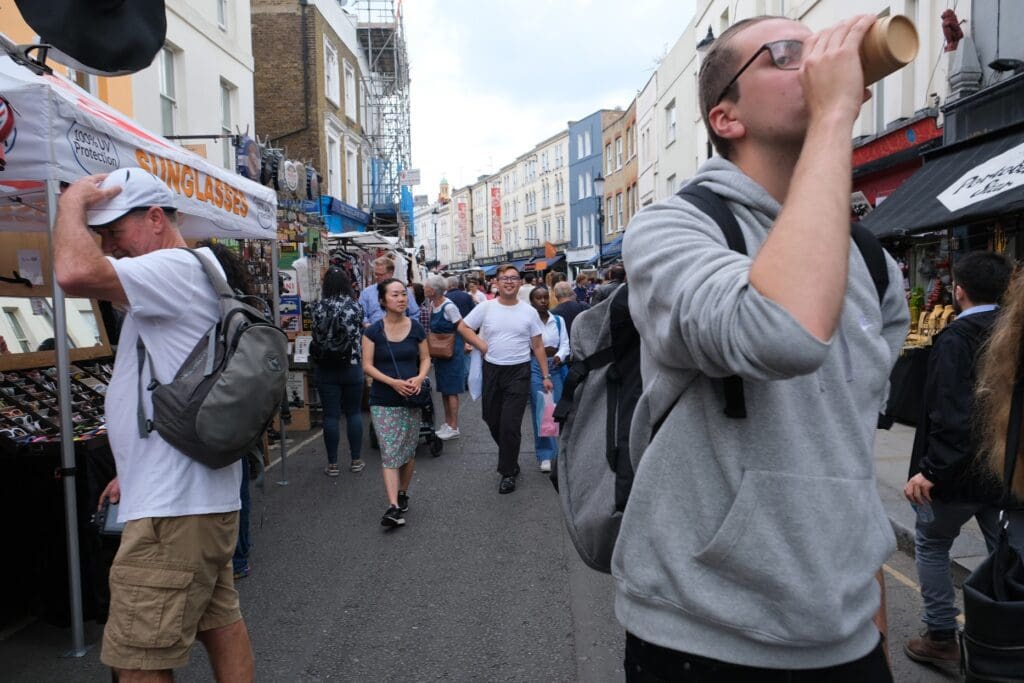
(507, 485)
(392, 518)
(403, 501)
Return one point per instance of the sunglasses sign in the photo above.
(997, 175)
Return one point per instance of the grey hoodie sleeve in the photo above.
(691, 299)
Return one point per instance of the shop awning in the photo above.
(520, 264)
(962, 183)
(545, 263)
(490, 270)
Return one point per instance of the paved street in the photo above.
(476, 586)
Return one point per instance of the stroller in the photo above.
(427, 431)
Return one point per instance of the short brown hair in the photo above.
(506, 266)
(715, 71)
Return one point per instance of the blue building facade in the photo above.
(585, 164)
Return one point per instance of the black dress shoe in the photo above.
(507, 485)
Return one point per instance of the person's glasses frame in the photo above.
(785, 55)
(509, 278)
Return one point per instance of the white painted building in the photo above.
(680, 139)
(551, 187)
(461, 222)
(511, 206)
(646, 124)
(201, 82)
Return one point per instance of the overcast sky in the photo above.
(492, 78)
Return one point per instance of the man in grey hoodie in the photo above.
(750, 547)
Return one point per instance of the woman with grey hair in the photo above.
(451, 380)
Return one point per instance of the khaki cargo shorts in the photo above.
(171, 578)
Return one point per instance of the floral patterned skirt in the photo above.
(398, 432)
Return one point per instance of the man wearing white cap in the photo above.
(171, 580)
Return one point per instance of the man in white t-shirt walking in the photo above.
(171, 581)
(512, 330)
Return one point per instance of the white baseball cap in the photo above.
(139, 190)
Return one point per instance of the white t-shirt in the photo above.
(451, 312)
(508, 330)
(479, 297)
(556, 335)
(172, 303)
(524, 293)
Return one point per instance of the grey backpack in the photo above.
(228, 389)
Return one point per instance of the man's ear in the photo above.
(724, 123)
(156, 218)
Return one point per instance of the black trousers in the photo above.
(506, 390)
(648, 663)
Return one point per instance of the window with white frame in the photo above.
(618, 211)
(589, 184)
(559, 191)
(609, 214)
(362, 104)
(333, 164)
(580, 190)
(609, 163)
(618, 152)
(586, 143)
(560, 228)
(168, 97)
(332, 82)
(579, 230)
(670, 123)
(547, 229)
(222, 14)
(350, 91)
(351, 175)
(227, 94)
(545, 200)
(579, 146)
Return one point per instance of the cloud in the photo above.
(489, 80)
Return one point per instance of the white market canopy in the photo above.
(62, 133)
(365, 240)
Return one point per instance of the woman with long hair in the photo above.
(338, 324)
(999, 370)
(395, 356)
(450, 374)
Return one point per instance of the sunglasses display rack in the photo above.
(30, 411)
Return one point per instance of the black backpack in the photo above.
(331, 343)
(593, 472)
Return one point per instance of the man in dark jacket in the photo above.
(462, 299)
(942, 487)
(568, 306)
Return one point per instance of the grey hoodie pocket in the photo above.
(795, 557)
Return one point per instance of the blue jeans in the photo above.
(241, 558)
(545, 446)
(341, 390)
(937, 527)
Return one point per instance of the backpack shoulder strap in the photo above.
(220, 285)
(714, 206)
(874, 256)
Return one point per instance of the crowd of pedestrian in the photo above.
(752, 545)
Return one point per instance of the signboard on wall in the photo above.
(496, 215)
(410, 176)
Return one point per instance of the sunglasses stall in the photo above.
(30, 411)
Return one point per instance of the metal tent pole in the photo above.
(67, 470)
(275, 254)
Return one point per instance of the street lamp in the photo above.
(599, 193)
(435, 212)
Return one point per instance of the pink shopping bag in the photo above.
(548, 426)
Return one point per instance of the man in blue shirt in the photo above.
(462, 300)
(383, 269)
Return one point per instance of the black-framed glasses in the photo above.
(509, 278)
(785, 54)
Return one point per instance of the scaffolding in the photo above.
(382, 38)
